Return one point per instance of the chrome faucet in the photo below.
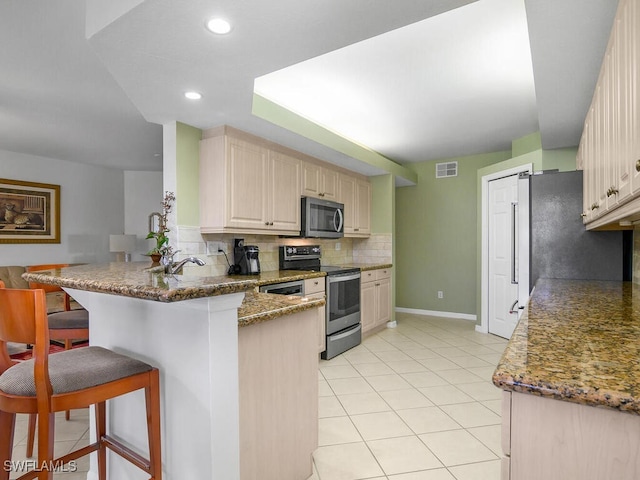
(172, 268)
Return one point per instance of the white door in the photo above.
(503, 287)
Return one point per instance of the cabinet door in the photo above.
(310, 180)
(368, 305)
(329, 184)
(284, 192)
(347, 196)
(246, 185)
(322, 323)
(383, 301)
(634, 95)
(363, 208)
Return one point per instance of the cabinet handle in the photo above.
(266, 223)
(315, 283)
(356, 229)
(595, 206)
(583, 214)
(612, 191)
(377, 284)
(270, 223)
(637, 165)
(321, 194)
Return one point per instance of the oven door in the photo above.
(343, 301)
(288, 288)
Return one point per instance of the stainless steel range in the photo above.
(343, 327)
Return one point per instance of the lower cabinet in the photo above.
(315, 288)
(375, 298)
(555, 439)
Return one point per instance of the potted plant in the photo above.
(162, 247)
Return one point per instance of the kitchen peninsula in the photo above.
(571, 375)
(238, 368)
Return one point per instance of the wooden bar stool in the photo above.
(66, 380)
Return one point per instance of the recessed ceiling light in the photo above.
(193, 95)
(219, 26)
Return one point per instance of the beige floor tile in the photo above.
(484, 373)
(470, 361)
(478, 349)
(392, 356)
(492, 358)
(337, 430)
(445, 395)
(424, 379)
(356, 358)
(382, 383)
(471, 414)
(346, 462)
(436, 474)
(374, 426)
(494, 405)
(409, 398)
(437, 364)
(371, 369)
(402, 455)
(458, 375)
(490, 436)
(407, 366)
(422, 354)
(324, 389)
(330, 407)
(427, 419)
(450, 352)
(339, 371)
(344, 386)
(359, 403)
(457, 447)
(481, 391)
(477, 471)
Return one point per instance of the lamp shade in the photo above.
(122, 243)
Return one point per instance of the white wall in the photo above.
(91, 203)
(142, 195)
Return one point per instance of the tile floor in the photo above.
(411, 403)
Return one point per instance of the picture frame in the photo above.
(29, 212)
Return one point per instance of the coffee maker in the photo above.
(245, 257)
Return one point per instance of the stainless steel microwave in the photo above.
(321, 218)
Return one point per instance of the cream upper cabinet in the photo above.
(609, 150)
(319, 181)
(247, 188)
(355, 194)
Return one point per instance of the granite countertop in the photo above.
(260, 307)
(369, 266)
(138, 280)
(577, 341)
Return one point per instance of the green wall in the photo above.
(435, 238)
(188, 171)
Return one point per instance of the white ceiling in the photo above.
(92, 82)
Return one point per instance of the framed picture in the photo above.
(29, 212)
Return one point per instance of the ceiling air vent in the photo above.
(448, 169)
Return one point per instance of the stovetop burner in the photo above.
(307, 257)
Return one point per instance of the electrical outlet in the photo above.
(338, 245)
(213, 248)
(440, 294)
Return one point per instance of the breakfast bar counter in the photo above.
(224, 351)
(571, 376)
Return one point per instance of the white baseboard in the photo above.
(434, 313)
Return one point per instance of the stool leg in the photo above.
(7, 427)
(152, 397)
(46, 428)
(101, 431)
(31, 434)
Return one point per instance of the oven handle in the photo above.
(344, 334)
(342, 278)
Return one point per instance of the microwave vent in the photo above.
(447, 169)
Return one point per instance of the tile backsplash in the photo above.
(376, 249)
